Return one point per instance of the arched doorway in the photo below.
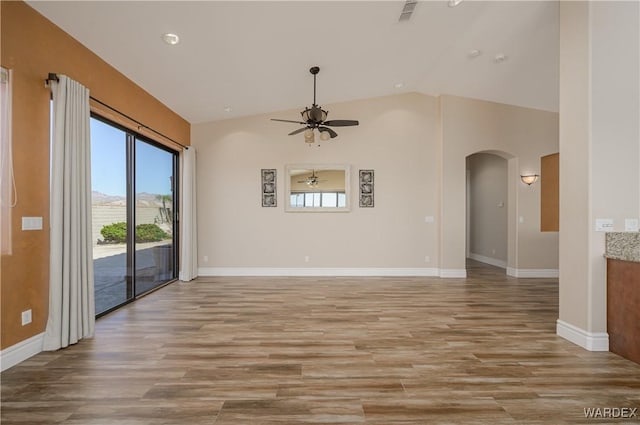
(487, 200)
(488, 206)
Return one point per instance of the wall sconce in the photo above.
(529, 179)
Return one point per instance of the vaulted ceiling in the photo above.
(239, 58)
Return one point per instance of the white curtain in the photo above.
(8, 194)
(188, 239)
(71, 302)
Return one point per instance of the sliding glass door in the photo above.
(109, 215)
(154, 215)
(133, 211)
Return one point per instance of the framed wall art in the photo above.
(269, 195)
(366, 188)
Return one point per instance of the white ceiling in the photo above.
(254, 57)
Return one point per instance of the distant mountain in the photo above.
(150, 200)
(99, 198)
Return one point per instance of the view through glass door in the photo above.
(133, 212)
(155, 254)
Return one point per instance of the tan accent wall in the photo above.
(550, 193)
(32, 47)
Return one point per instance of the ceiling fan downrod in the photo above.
(314, 71)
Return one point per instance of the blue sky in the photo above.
(108, 163)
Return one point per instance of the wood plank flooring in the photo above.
(274, 351)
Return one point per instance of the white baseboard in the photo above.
(488, 260)
(592, 341)
(309, 271)
(453, 273)
(535, 273)
(21, 351)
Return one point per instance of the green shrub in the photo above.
(117, 233)
(150, 233)
(114, 233)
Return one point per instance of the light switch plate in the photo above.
(31, 223)
(26, 317)
(631, 225)
(604, 225)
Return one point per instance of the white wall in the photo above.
(402, 139)
(488, 218)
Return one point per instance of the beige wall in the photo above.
(488, 208)
(32, 47)
(574, 162)
(396, 137)
(400, 138)
(518, 134)
(599, 151)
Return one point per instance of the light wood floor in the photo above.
(267, 351)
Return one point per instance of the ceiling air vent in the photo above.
(407, 10)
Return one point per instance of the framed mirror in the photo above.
(317, 188)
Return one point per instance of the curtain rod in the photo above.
(54, 77)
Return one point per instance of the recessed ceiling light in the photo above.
(399, 85)
(227, 109)
(454, 3)
(474, 53)
(500, 57)
(171, 39)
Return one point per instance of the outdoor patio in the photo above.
(153, 267)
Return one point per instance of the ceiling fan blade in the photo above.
(295, 122)
(341, 123)
(300, 130)
(330, 131)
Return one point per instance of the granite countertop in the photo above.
(623, 246)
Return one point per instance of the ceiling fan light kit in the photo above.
(315, 118)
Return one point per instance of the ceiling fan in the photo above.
(315, 118)
(312, 180)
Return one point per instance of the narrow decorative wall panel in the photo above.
(366, 189)
(269, 197)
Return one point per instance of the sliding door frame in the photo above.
(130, 278)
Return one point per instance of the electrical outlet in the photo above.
(26, 317)
(205, 258)
(306, 258)
(427, 259)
